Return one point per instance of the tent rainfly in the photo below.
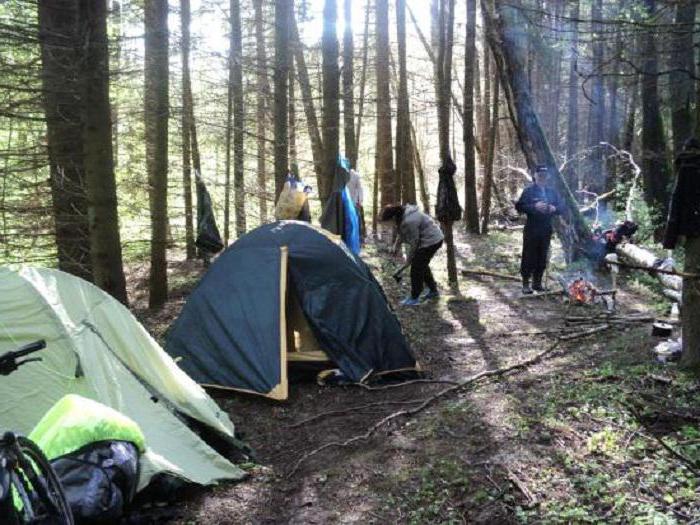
(97, 349)
(286, 291)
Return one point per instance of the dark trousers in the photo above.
(535, 251)
(420, 270)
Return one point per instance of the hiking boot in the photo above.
(537, 284)
(410, 301)
(526, 287)
(430, 294)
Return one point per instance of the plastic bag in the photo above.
(291, 202)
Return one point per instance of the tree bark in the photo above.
(105, 243)
(309, 109)
(262, 107)
(156, 133)
(58, 33)
(424, 198)
(404, 156)
(330, 121)
(349, 86)
(655, 167)
(488, 175)
(596, 178)
(187, 112)
(471, 206)
(507, 43)
(236, 86)
(571, 174)
(682, 66)
(284, 16)
(690, 309)
(363, 78)
(444, 92)
(384, 153)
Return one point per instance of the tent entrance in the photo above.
(302, 345)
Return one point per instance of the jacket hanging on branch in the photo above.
(208, 236)
(340, 215)
(684, 212)
(447, 208)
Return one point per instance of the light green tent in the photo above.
(97, 349)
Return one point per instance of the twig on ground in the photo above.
(542, 294)
(332, 413)
(406, 383)
(488, 273)
(532, 500)
(442, 393)
(689, 463)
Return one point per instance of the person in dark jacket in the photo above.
(684, 211)
(424, 237)
(541, 204)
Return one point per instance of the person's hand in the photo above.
(541, 206)
(551, 208)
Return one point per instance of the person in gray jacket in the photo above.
(424, 236)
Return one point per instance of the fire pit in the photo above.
(580, 289)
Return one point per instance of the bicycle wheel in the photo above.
(38, 488)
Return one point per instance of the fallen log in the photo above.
(674, 295)
(646, 260)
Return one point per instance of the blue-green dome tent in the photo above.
(277, 292)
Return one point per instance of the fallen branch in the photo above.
(491, 274)
(689, 463)
(332, 413)
(654, 270)
(532, 500)
(444, 392)
(542, 294)
(406, 383)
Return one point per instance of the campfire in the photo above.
(581, 291)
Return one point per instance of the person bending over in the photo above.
(424, 237)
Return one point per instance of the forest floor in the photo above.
(595, 432)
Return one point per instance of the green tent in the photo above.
(97, 349)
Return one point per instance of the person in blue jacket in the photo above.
(541, 204)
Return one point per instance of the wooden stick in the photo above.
(654, 270)
(532, 500)
(491, 274)
(444, 392)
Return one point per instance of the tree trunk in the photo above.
(384, 154)
(309, 110)
(262, 101)
(571, 174)
(186, 126)
(682, 65)
(156, 135)
(363, 78)
(641, 257)
(488, 175)
(348, 87)
(507, 43)
(331, 96)
(655, 168)
(424, 198)
(293, 155)
(596, 178)
(404, 155)
(690, 309)
(236, 85)
(60, 59)
(444, 92)
(284, 16)
(105, 243)
(471, 206)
